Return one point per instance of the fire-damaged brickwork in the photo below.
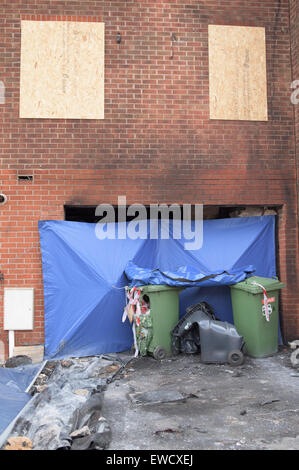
(294, 20)
(156, 143)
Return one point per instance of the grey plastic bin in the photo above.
(185, 335)
(220, 342)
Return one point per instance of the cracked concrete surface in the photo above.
(181, 403)
(254, 406)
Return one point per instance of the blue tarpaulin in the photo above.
(184, 276)
(13, 396)
(84, 277)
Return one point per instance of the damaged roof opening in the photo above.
(82, 213)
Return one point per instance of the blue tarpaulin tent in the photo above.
(13, 396)
(84, 277)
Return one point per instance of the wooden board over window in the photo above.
(237, 72)
(62, 70)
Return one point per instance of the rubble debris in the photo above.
(23, 426)
(42, 379)
(193, 395)
(65, 441)
(156, 397)
(252, 211)
(270, 212)
(82, 391)
(100, 368)
(108, 370)
(90, 430)
(39, 388)
(66, 363)
(103, 435)
(119, 371)
(197, 429)
(127, 376)
(168, 430)
(82, 432)
(43, 397)
(49, 368)
(89, 411)
(99, 439)
(268, 402)
(18, 443)
(110, 357)
(65, 401)
(295, 358)
(49, 436)
(17, 361)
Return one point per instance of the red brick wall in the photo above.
(294, 30)
(294, 21)
(156, 143)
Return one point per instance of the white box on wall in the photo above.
(18, 308)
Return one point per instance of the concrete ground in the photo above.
(250, 407)
(178, 403)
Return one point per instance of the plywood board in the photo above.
(18, 308)
(62, 70)
(237, 73)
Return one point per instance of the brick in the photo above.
(156, 130)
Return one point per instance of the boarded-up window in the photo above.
(237, 73)
(62, 70)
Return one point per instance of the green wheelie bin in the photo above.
(258, 326)
(153, 329)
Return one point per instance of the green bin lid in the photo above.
(268, 283)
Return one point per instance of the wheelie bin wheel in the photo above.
(235, 358)
(159, 353)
